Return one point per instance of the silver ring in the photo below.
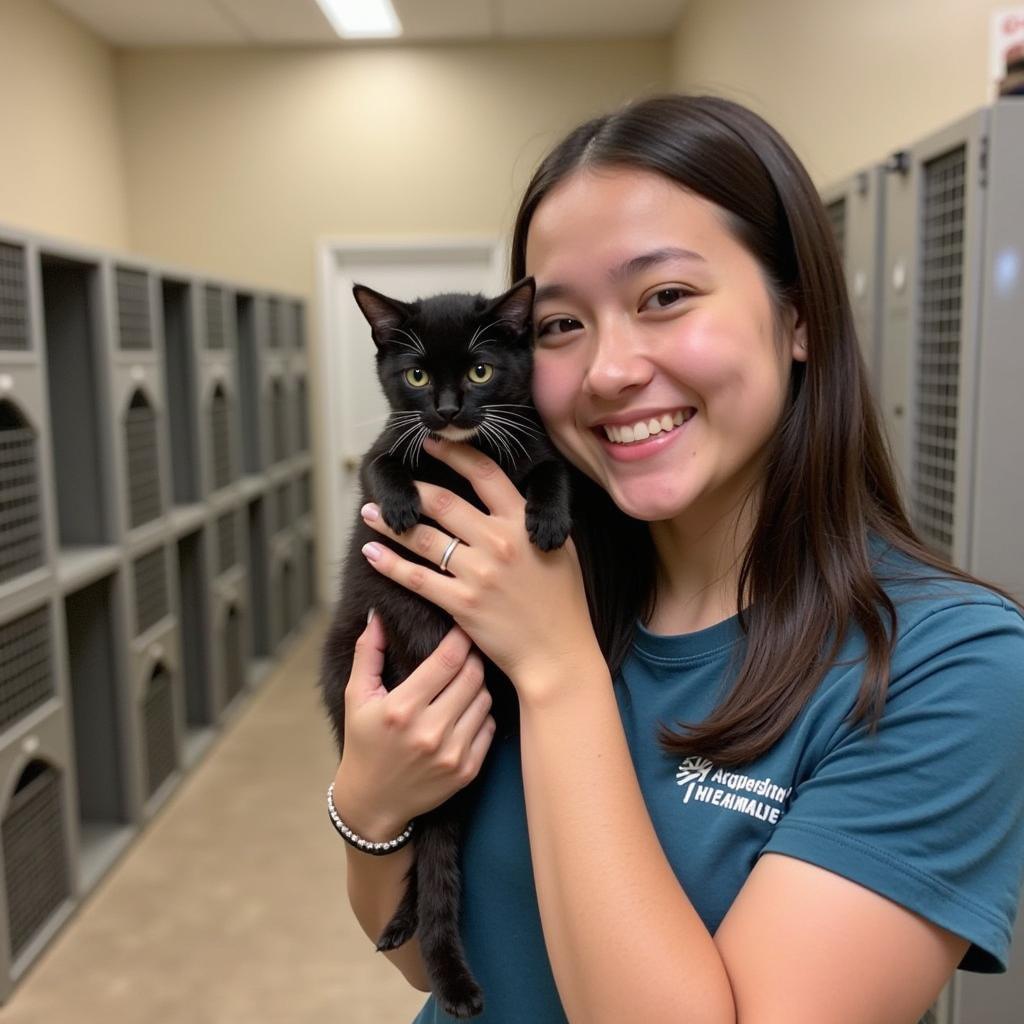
(446, 557)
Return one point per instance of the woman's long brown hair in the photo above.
(828, 484)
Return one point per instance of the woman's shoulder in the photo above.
(919, 590)
(941, 617)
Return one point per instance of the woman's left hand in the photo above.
(525, 608)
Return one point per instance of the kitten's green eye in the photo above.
(417, 378)
(481, 373)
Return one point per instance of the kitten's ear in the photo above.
(515, 306)
(382, 313)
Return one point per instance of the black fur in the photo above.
(447, 337)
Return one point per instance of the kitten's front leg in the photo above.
(548, 504)
(390, 483)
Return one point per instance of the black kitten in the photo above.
(455, 366)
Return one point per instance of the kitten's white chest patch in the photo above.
(457, 433)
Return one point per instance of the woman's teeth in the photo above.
(647, 428)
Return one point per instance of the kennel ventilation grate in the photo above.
(36, 871)
(220, 437)
(140, 446)
(21, 526)
(215, 335)
(278, 420)
(26, 669)
(13, 298)
(933, 475)
(227, 551)
(151, 603)
(133, 310)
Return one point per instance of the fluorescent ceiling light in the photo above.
(361, 18)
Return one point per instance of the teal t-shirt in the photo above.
(929, 811)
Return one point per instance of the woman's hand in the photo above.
(408, 750)
(524, 608)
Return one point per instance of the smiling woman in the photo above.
(747, 783)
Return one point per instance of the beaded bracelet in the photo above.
(366, 845)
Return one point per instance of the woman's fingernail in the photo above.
(370, 511)
(432, 444)
(369, 617)
(372, 551)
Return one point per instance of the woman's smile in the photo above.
(644, 437)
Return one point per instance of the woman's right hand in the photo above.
(408, 750)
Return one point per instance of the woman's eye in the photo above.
(417, 378)
(665, 297)
(481, 373)
(561, 325)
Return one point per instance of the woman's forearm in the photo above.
(375, 887)
(376, 884)
(624, 941)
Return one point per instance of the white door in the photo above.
(351, 398)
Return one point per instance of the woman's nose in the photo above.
(618, 363)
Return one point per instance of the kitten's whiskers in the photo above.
(417, 343)
(512, 405)
(409, 430)
(477, 340)
(417, 447)
(528, 430)
(497, 442)
(504, 430)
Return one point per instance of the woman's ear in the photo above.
(800, 342)
(798, 328)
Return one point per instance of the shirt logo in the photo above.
(693, 769)
(724, 789)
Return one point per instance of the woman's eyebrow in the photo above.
(652, 259)
(631, 266)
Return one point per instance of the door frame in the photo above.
(331, 388)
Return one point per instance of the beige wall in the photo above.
(845, 82)
(238, 161)
(61, 171)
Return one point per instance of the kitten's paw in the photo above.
(401, 514)
(398, 932)
(461, 998)
(548, 530)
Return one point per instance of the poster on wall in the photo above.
(1006, 35)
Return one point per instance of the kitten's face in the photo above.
(455, 366)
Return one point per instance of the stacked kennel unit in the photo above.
(140, 396)
(37, 793)
(126, 491)
(223, 458)
(180, 301)
(256, 373)
(856, 208)
(952, 375)
(953, 362)
(285, 387)
(247, 312)
(946, 219)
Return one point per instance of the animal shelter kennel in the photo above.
(157, 549)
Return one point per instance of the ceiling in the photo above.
(146, 23)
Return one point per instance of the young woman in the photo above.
(774, 775)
